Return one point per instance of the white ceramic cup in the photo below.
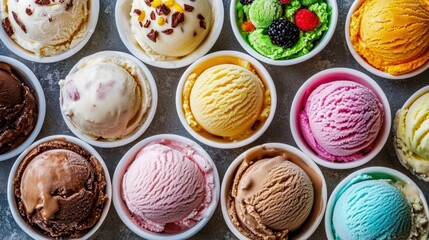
(322, 42)
(94, 6)
(146, 120)
(263, 75)
(368, 171)
(31, 81)
(230, 175)
(122, 209)
(330, 75)
(11, 189)
(122, 18)
(356, 4)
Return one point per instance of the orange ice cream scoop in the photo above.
(392, 35)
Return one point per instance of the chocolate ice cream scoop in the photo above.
(18, 110)
(60, 189)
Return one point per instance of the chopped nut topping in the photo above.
(28, 11)
(152, 35)
(152, 15)
(146, 24)
(177, 18)
(163, 9)
(43, 2)
(168, 31)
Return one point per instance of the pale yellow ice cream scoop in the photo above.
(392, 35)
(412, 139)
(226, 101)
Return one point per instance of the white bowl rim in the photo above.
(265, 77)
(18, 50)
(294, 125)
(324, 40)
(121, 207)
(369, 170)
(307, 160)
(366, 65)
(33, 83)
(146, 121)
(11, 195)
(200, 51)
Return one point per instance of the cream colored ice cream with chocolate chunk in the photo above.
(45, 27)
(170, 29)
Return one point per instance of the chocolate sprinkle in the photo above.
(69, 5)
(17, 20)
(141, 24)
(152, 15)
(146, 24)
(137, 11)
(152, 35)
(202, 24)
(188, 8)
(28, 11)
(7, 26)
(163, 9)
(43, 2)
(168, 31)
(177, 18)
(200, 17)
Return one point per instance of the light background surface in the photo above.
(287, 80)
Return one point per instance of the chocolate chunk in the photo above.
(50, 19)
(195, 34)
(147, 23)
(152, 35)
(177, 18)
(202, 24)
(168, 31)
(43, 2)
(188, 8)
(148, 2)
(137, 11)
(28, 11)
(141, 24)
(17, 20)
(7, 26)
(69, 5)
(200, 17)
(152, 15)
(163, 9)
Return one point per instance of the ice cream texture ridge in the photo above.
(18, 109)
(224, 99)
(168, 187)
(364, 207)
(392, 35)
(170, 29)
(273, 195)
(270, 26)
(341, 120)
(60, 189)
(45, 28)
(411, 139)
(107, 98)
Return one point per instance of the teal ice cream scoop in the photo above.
(372, 209)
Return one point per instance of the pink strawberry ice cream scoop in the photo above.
(168, 187)
(341, 120)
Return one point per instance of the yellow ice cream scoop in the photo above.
(412, 138)
(392, 35)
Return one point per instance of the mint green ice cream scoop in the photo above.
(263, 12)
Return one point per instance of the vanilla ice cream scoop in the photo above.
(107, 97)
(169, 29)
(45, 27)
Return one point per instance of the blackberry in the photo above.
(246, 2)
(283, 33)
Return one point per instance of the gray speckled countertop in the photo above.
(287, 80)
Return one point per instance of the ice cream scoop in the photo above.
(170, 29)
(263, 12)
(341, 120)
(60, 189)
(411, 140)
(273, 195)
(225, 100)
(18, 109)
(168, 187)
(107, 96)
(392, 35)
(48, 27)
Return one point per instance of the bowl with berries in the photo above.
(283, 32)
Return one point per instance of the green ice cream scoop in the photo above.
(263, 12)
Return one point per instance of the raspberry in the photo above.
(283, 33)
(248, 26)
(246, 2)
(306, 20)
(284, 1)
